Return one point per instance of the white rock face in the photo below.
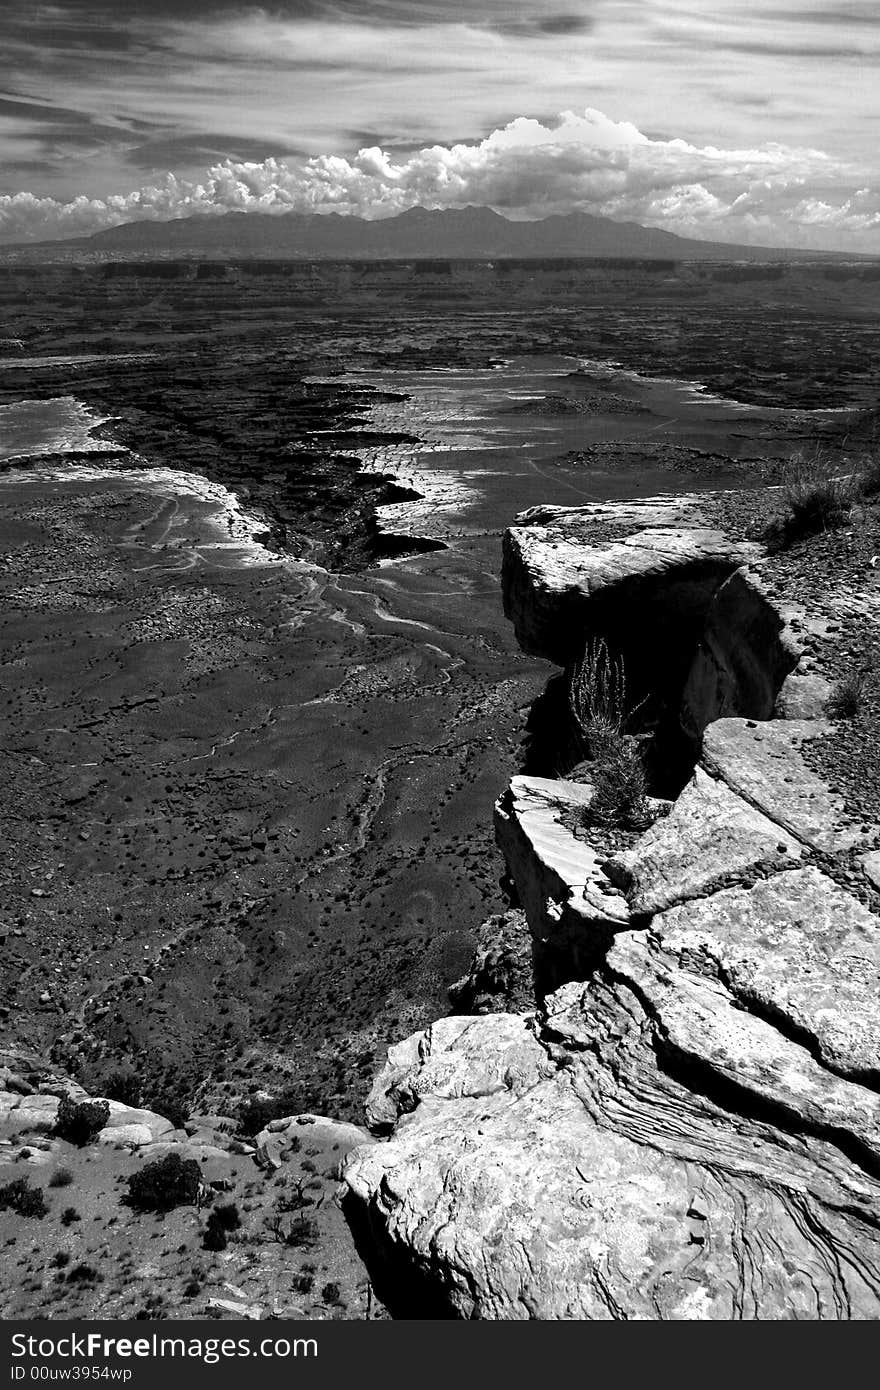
(273, 1144)
(130, 1125)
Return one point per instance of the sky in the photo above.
(737, 120)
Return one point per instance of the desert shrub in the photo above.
(301, 1232)
(303, 1283)
(256, 1113)
(227, 1216)
(869, 475)
(24, 1200)
(214, 1236)
(60, 1259)
(847, 696)
(165, 1183)
(619, 785)
(69, 1215)
(80, 1121)
(84, 1274)
(62, 1177)
(601, 711)
(597, 697)
(123, 1086)
(167, 1096)
(815, 498)
(221, 1221)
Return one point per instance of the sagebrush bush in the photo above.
(620, 791)
(80, 1121)
(597, 696)
(601, 711)
(817, 495)
(165, 1183)
(24, 1200)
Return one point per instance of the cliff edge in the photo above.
(688, 1124)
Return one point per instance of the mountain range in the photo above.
(476, 233)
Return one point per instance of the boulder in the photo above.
(34, 1112)
(134, 1135)
(128, 1124)
(797, 949)
(431, 1062)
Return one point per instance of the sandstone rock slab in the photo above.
(571, 905)
(798, 950)
(710, 839)
(550, 576)
(763, 763)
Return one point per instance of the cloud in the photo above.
(771, 194)
(291, 75)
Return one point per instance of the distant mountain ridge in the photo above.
(473, 233)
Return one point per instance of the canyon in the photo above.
(260, 528)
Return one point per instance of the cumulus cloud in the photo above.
(772, 193)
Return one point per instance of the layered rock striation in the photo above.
(688, 1126)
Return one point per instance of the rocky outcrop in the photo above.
(690, 1126)
(127, 1124)
(501, 975)
(632, 1155)
(558, 582)
(763, 765)
(572, 906)
(745, 652)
